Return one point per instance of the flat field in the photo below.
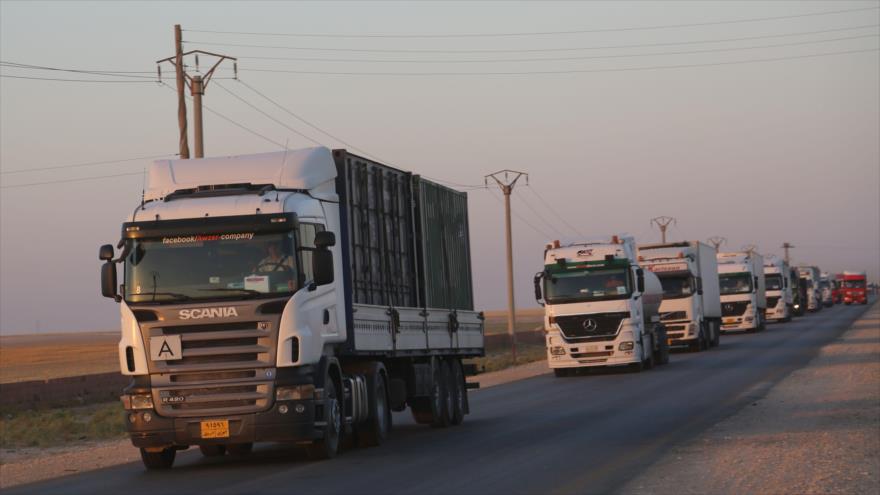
(40, 357)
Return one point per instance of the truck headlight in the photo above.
(136, 401)
(296, 392)
(748, 319)
(557, 350)
(692, 328)
(626, 346)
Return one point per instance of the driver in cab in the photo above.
(276, 260)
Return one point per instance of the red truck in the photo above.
(855, 288)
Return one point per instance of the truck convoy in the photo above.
(743, 293)
(691, 307)
(777, 278)
(810, 275)
(855, 288)
(298, 296)
(601, 307)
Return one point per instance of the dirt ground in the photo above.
(39, 357)
(817, 431)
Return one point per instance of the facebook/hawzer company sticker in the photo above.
(185, 239)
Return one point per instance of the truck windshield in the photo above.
(854, 284)
(735, 283)
(774, 282)
(677, 286)
(586, 285)
(211, 266)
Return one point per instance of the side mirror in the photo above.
(538, 295)
(325, 239)
(106, 252)
(108, 281)
(699, 282)
(322, 265)
(640, 281)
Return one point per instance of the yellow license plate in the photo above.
(728, 321)
(215, 428)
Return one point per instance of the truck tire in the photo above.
(716, 333)
(426, 410)
(159, 460)
(459, 393)
(328, 447)
(648, 361)
(662, 356)
(561, 372)
(445, 380)
(240, 449)
(374, 431)
(212, 450)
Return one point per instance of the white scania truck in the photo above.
(297, 296)
(743, 293)
(601, 307)
(814, 293)
(777, 278)
(691, 308)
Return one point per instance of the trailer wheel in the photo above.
(212, 450)
(426, 410)
(374, 431)
(445, 379)
(163, 459)
(328, 447)
(459, 393)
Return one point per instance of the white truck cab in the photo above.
(601, 307)
(743, 293)
(812, 275)
(777, 276)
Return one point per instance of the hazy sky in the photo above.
(760, 152)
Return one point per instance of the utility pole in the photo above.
(197, 84)
(507, 187)
(717, 241)
(750, 248)
(786, 246)
(663, 222)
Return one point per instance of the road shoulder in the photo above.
(816, 431)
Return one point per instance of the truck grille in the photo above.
(736, 308)
(674, 315)
(772, 301)
(226, 368)
(598, 326)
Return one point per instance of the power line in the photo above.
(77, 71)
(553, 210)
(523, 220)
(541, 217)
(270, 117)
(538, 33)
(80, 179)
(76, 80)
(233, 122)
(74, 165)
(528, 50)
(566, 71)
(559, 59)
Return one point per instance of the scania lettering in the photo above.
(743, 293)
(601, 307)
(298, 296)
(777, 279)
(691, 308)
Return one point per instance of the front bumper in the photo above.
(590, 354)
(735, 323)
(270, 425)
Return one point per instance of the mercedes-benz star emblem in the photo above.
(589, 324)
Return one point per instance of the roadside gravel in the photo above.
(817, 431)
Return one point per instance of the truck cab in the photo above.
(826, 284)
(691, 307)
(798, 292)
(855, 288)
(777, 277)
(810, 276)
(601, 307)
(743, 293)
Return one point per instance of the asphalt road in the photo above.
(583, 434)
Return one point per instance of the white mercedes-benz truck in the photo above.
(601, 307)
(294, 296)
(814, 292)
(691, 308)
(743, 293)
(777, 278)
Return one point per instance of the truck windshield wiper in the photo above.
(175, 296)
